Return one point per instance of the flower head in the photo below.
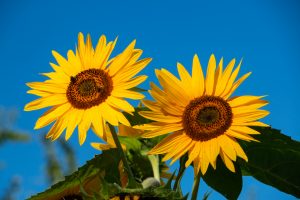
(88, 88)
(204, 119)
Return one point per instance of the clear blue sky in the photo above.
(266, 34)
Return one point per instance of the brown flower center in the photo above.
(206, 117)
(89, 88)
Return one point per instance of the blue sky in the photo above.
(266, 34)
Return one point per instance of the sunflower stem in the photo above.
(131, 181)
(154, 160)
(196, 186)
(182, 168)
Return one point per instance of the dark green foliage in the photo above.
(275, 160)
(224, 181)
(136, 118)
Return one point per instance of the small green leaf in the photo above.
(136, 118)
(224, 181)
(131, 143)
(275, 160)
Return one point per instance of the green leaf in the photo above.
(131, 143)
(136, 118)
(224, 181)
(87, 177)
(275, 160)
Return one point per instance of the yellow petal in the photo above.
(239, 151)
(172, 89)
(166, 143)
(73, 120)
(210, 75)
(129, 131)
(227, 161)
(98, 123)
(132, 71)
(186, 79)
(236, 85)
(243, 100)
(225, 77)
(244, 129)
(183, 148)
(130, 83)
(181, 153)
(250, 116)
(198, 84)
(56, 130)
(108, 114)
(213, 151)
(231, 80)
(38, 93)
(162, 130)
(127, 94)
(121, 59)
(218, 76)
(63, 63)
(136, 54)
(51, 115)
(48, 87)
(156, 116)
(204, 164)
(101, 57)
(84, 126)
(119, 103)
(51, 100)
(193, 153)
(226, 146)
(99, 50)
(255, 123)
(239, 135)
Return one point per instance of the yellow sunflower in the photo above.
(87, 89)
(204, 119)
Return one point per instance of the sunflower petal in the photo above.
(210, 75)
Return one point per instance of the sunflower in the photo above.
(204, 120)
(87, 89)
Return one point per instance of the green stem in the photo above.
(154, 160)
(131, 181)
(180, 172)
(196, 186)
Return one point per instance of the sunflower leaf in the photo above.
(224, 181)
(136, 118)
(275, 160)
(87, 177)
